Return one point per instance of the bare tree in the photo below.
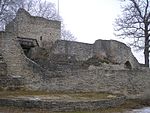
(66, 34)
(134, 23)
(5, 13)
(9, 8)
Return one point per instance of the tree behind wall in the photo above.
(134, 23)
(8, 9)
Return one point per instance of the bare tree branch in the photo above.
(8, 9)
(135, 24)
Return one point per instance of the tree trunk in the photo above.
(146, 50)
(146, 55)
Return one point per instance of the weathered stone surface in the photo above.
(128, 82)
(115, 51)
(107, 50)
(17, 62)
(3, 65)
(128, 79)
(82, 51)
(27, 26)
(38, 53)
(3, 68)
(53, 62)
(13, 54)
(11, 83)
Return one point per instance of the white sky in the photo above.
(89, 20)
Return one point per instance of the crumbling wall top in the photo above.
(43, 30)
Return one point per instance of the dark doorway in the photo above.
(27, 44)
(128, 65)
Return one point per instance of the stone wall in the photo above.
(113, 51)
(18, 65)
(128, 82)
(13, 54)
(27, 26)
(3, 66)
(133, 80)
(82, 51)
(62, 105)
(11, 83)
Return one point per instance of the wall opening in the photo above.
(128, 65)
(27, 44)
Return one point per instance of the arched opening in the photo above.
(127, 65)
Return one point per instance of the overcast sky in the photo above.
(89, 20)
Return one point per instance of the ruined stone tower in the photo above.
(26, 26)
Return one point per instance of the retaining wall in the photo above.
(128, 82)
(61, 106)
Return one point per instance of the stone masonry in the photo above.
(37, 72)
(3, 65)
(27, 26)
(114, 51)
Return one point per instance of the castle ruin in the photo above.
(26, 26)
(32, 55)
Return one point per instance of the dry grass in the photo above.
(56, 95)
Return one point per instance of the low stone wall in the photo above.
(60, 105)
(128, 82)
